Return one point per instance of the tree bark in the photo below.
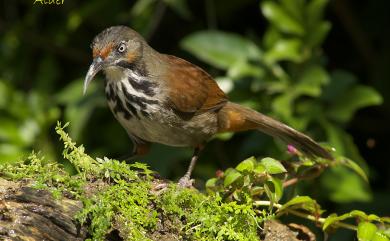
(27, 213)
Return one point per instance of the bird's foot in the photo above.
(186, 182)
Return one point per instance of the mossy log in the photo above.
(27, 213)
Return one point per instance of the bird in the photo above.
(161, 98)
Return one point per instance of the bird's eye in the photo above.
(121, 47)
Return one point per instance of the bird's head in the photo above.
(114, 47)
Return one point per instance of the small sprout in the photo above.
(292, 150)
(219, 173)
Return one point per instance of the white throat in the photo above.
(114, 74)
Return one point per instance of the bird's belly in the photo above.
(165, 128)
(149, 119)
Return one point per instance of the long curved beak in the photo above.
(96, 66)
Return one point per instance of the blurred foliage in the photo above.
(287, 78)
(25, 121)
(270, 58)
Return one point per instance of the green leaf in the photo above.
(311, 81)
(270, 37)
(386, 220)
(283, 105)
(294, 8)
(334, 136)
(220, 49)
(380, 236)
(317, 35)
(337, 183)
(333, 218)
(366, 231)
(269, 193)
(358, 97)
(358, 214)
(211, 183)
(256, 191)
(352, 151)
(259, 169)
(344, 146)
(303, 202)
(278, 189)
(272, 166)
(243, 68)
(315, 10)
(281, 19)
(285, 49)
(373, 217)
(247, 165)
(355, 167)
(231, 175)
(340, 82)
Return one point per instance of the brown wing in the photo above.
(191, 90)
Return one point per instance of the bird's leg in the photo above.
(186, 180)
(139, 149)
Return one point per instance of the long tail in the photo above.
(234, 117)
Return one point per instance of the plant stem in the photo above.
(290, 182)
(306, 216)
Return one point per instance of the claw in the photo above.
(186, 182)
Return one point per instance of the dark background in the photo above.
(44, 55)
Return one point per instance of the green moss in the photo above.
(44, 175)
(126, 205)
(208, 217)
(124, 202)
(118, 196)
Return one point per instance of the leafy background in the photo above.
(320, 66)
